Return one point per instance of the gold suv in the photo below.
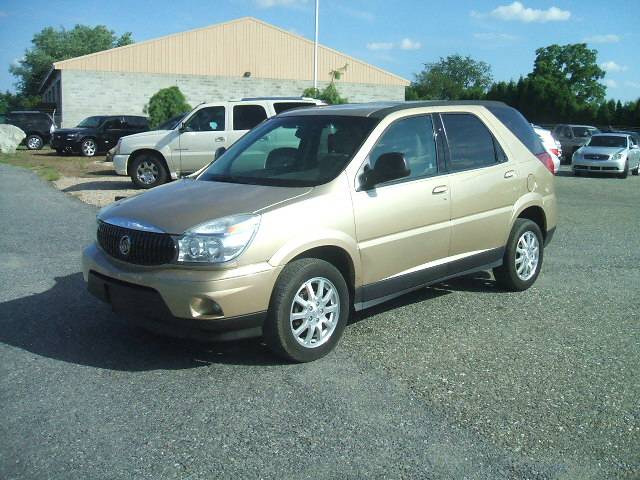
(318, 212)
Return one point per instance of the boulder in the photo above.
(10, 138)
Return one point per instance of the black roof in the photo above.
(382, 109)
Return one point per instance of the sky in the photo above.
(399, 36)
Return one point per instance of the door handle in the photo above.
(439, 189)
(219, 139)
(509, 173)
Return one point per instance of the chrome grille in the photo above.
(595, 156)
(145, 248)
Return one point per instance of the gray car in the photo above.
(572, 137)
(615, 153)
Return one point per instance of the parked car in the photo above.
(615, 153)
(186, 145)
(97, 134)
(550, 145)
(319, 211)
(38, 126)
(572, 137)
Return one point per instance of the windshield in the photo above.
(584, 131)
(172, 123)
(301, 151)
(608, 141)
(91, 122)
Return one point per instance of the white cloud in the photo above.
(404, 44)
(612, 66)
(493, 36)
(519, 13)
(611, 83)
(280, 3)
(631, 84)
(376, 46)
(408, 44)
(606, 38)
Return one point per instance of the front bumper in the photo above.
(64, 143)
(121, 164)
(601, 166)
(170, 299)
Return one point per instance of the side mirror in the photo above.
(635, 147)
(218, 153)
(389, 166)
(182, 127)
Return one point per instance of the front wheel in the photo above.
(34, 142)
(147, 171)
(308, 312)
(625, 172)
(522, 257)
(88, 147)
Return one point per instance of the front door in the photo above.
(204, 132)
(484, 187)
(403, 227)
(110, 132)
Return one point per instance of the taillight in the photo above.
(547, 161)
(556, 152)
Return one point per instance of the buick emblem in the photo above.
(125, 245)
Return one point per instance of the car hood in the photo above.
(601, 150)
(149, 133)
(68, 131)
(178, 206)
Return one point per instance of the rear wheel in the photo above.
(522, 257)
(148, 171)
(308, 312)
(34, 142)
(88, 147)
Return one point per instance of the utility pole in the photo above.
(315, 50)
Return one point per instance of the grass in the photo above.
(50, 166)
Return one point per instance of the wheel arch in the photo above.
(536, 214)
(336, 256)
(150, 151)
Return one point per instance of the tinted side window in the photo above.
(135, 123)
(113, 124)
(470, 142)
(245, 117)
(414, 138)
(209, 119)
(514, 121)
(280, 107)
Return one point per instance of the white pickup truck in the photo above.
(186, 143)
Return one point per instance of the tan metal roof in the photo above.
(230, 49)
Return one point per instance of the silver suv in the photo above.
(188, 144)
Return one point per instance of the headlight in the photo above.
(218, 241)
(71, 136)
(617, 156)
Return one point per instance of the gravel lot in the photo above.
(456, 381)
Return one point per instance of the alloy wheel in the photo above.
(147, 172)
(314, 312)
(527, 255)
(89, 148)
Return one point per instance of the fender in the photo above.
(319, 238)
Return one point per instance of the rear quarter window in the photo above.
(519, 126)
(280, 107)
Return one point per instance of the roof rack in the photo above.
(253, 99)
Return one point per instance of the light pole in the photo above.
(315, 50)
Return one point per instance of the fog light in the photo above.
(205, 307)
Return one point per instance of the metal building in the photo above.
(241, 58)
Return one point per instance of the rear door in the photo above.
(110, 132)
(484, 187)
(244, 117)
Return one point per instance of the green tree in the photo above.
(52, 45)
(164, 104)
(330, 94)
(451, 78)
(573, 65)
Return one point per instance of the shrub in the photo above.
(164, 104)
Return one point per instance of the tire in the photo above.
(507, 275)
(635, 171)
(88, 147)
(148, 171)
(625, 172)
(284, 309)
(34, 142)
(577, 173)
(59, 151)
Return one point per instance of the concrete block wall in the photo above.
(86, 93)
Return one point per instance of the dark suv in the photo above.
(37, 125)
(97, 134)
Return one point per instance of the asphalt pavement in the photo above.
(456, 381)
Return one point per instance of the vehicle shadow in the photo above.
(66, 323)
(100, 185)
